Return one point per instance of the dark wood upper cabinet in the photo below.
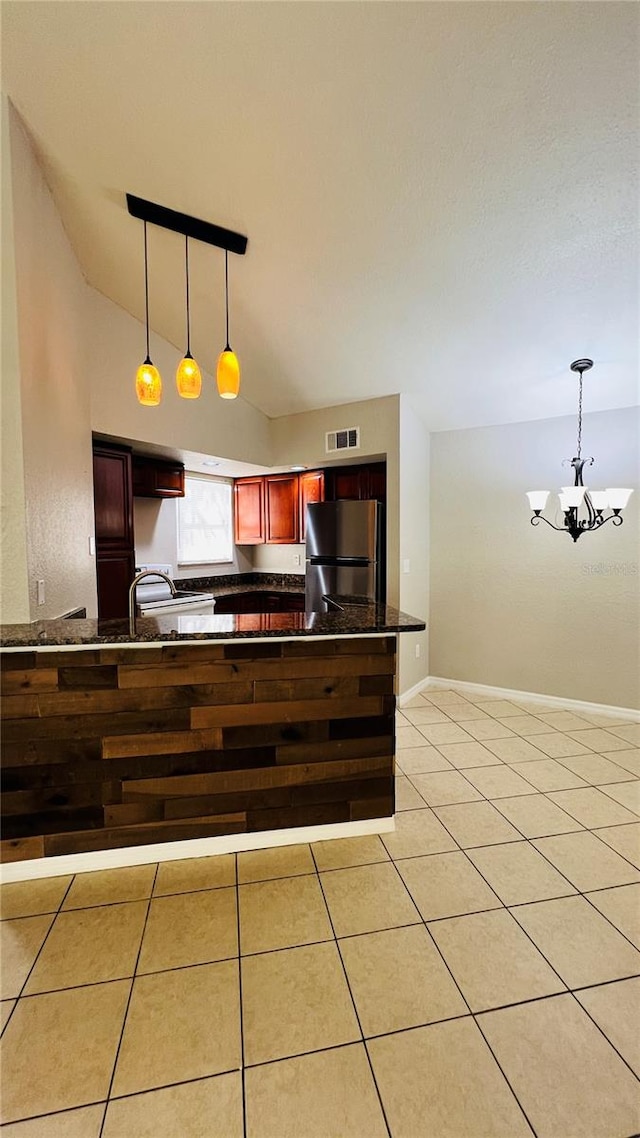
(249, 514)
(157, 478)
(281, 508)
(112, 497)
(311, 489)
(364, 482)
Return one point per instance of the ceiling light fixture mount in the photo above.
(573, 499)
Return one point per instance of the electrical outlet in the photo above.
(296, 559)
(417, 651)
(40, 592)
(92, 545)
(406, 565)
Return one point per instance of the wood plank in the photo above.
(49, 752)
(368, 747)
(84, 679)
(67, 658)
(12, 661)
(368, 644)
(292, 712)
(141, 699)
(247, 650)
(320, 687)
(377, 685)
(150, 655)
(274, 734)
(168, 675)
(21, 849)
(29, 680)
(286, 817)
(161, 743)
(128, 813)
(20, 706)
(141, 676)
(44, 800)
(81, 726)
(344, 790)
(145, 833)
(383, 807)
(191, 653)
(210, 804)
(223, 782)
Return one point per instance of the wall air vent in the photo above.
(346, 439)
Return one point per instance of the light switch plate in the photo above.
(40, 592)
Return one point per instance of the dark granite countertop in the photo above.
(228, 584)
(353, 618)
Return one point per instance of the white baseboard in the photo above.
(439, 682)
(193, 847)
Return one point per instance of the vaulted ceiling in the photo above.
(440, 198)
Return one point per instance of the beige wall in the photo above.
(276, 558)
(54, 397)
(523, 607)
(414, 542)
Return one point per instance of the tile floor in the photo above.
(475, 974)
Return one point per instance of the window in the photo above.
(205, 521)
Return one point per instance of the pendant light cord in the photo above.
(186, 260)
(146, 286)
(580, 417)
(226, 293)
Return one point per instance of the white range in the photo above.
(153, 596)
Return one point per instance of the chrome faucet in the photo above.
(132, 593)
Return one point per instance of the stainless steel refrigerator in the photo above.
(343, 551)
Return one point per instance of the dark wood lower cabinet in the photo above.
(260, 602)
(115, 572)
(107, 747)
(113, 506)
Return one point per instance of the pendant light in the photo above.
(188, 377)
(148, 379)
(228, 372)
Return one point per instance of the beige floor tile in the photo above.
(443, 1081)
(557, 746)
(621, 905)
(586, 861)
(567, 1077)
(443, 787)
(624, 839)
(597, 739)
(437, 733)
(190, 928)
(483, 729)
(408, 737)
(499, 781)
(514, 750)
(192, 873)
(629, 760)
(548, 774)
(418, 832)
(415, 701)
(592, 769)
(282, 914)
(492, 960)
(616, 1010)
(564, 720)
(294, 1001)
(446, 885)
(330, 1094)
(59, 1049)
(629, 733)
(577, 941)
(445, 699)
(463, 755)
(407, 797)
(84, 1122)
(519, 874)
(208, 1107)
(110, 886)
(535, 816)
(280, 861)
(607, 721)
(499, 708)
(366, 899)
(398, 980)
(527, 725)
(426, 714)
(467, 714)
(30, 898)
(476, 824)
(341, 853)
(87, 946)
(20, 943)
(626, 793)
(591, 807)
(181, 1025)
(6, 1007)
(401, 720)
(419, 760)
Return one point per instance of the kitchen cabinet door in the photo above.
(311, 489)
(112, 495)
(153, 478)
(249, 512)
(356, 482)
(281, 508)
(115, 572)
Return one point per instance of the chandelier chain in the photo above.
(580, 418)
(146, 286)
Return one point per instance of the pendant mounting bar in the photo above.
(190, 226)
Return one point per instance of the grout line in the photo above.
(126, 1010)
(241, 1009)
(603, 1033)
(351, 995)
(39, 952)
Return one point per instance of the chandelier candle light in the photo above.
(188, 377)
(584, 509)
(228, 372)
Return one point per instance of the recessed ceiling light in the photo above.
(297, 468)
(207, 463)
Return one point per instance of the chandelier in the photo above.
(584, 509)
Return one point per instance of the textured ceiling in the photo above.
(441, 199)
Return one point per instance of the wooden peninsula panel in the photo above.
(111, 747)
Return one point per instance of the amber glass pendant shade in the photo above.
(228, 374)
(188, 378)
(148, 384)
(148, 379)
